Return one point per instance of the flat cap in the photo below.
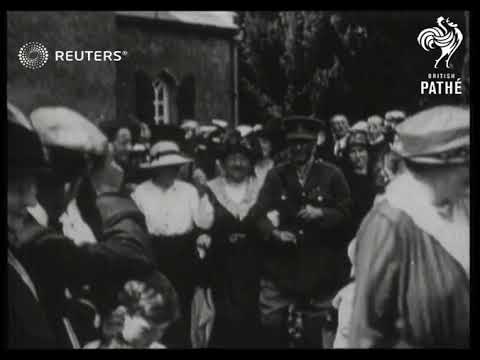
(435, 135)
(65, 128)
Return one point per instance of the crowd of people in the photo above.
(294, 233)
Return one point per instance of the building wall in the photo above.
(88, 87)
(153, 47)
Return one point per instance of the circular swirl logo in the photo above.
(33, 55)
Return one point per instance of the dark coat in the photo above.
(316, 265)
(28, 326)
(55, 263)
(234, 275)
(363, 195)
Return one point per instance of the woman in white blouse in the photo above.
(176, 216)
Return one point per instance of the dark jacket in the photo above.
(56, 263)
(28, 326)
(316, 265)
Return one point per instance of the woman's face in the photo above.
(455, 183)
(165, 176)
(358, 156)
(237, 167)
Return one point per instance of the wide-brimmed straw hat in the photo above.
(440, 135)
(165, 153)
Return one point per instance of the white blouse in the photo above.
(175, 211)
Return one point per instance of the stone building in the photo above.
(181, 65)
(178, 64)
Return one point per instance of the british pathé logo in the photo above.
(34, 55)
(447, 37)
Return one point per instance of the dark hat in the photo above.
(110, 128)
(25, 152)
(440, 135)
(303, 128)
(234, 143)
(167, 132)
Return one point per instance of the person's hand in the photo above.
(310, 213)
(108, 175)
(284, 236)
(203, 244)
(235, 237)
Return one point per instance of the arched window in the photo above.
(161, 102)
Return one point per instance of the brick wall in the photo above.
(88, 87)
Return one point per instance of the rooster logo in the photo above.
(447, 37)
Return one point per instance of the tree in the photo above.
(323, 62)
(291, 62)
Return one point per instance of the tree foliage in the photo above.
(323, 62)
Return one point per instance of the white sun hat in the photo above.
(220, 123)
(165, 153)
(244, 130)
(189, 124)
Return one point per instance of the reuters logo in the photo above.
(33, 55)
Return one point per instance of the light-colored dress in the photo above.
(412, 273)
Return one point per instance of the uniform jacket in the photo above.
(316, 264)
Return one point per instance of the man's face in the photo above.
(300, 151)
(22, 193)
(122, 146)
(339, 125)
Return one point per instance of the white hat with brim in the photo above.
(66, 128)
(207, 129)
(244, 130)
(189, 124)
(165, 153)
(220, 123)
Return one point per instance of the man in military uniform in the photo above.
(306, 203)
